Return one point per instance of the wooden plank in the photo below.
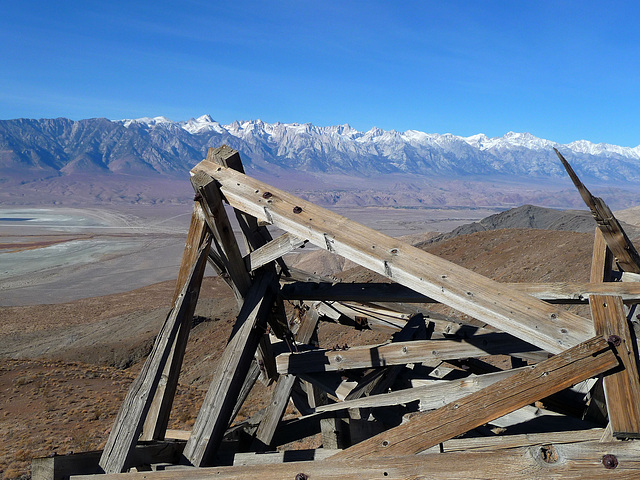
(282, 390)
(574, 461)
(622, 389)
(525, 317)
(61, 467)
(500, 442)
(614, 235)
(268, 458)
(215, 413)
(538, 381)
(273, 250)
(130, 419)
(157, 418)
(400, 353)
(557, 292)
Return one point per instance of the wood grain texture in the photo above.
(575, 461)
(215, 414)
(541, 380)
(523, 316)
(400, 353)
(557, 292)
(622, 389)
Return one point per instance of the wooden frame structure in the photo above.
(372, 426)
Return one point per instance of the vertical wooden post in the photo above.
(602, 259)
(215, 414)
(622, 389)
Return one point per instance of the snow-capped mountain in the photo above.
(159, 145)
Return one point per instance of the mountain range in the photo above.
(56, 147)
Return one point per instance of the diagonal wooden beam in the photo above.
(130, 419)
(525, 317)
(273, 250)
(626, 254)
(157, 418)
(538, 381)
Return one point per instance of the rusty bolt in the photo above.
(267, 195)
(302, 476)
(297, 209)
(615, 340)
(609, 461)
(198, 197)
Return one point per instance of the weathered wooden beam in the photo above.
(215, 413)
(225, 240)
(622, 389)
(614, 235)
(157, 418)
(538, 381)
(282, 390)
(131, 417)
(555, 461)
(400, 353)
(61, 467)
(525, 317)
(273, 250)
(558, 292)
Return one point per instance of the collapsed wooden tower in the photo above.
(364, 431)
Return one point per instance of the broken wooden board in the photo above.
(622, 389)
(538, 381)
(523, 316)
(614, 235)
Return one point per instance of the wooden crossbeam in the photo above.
(215, 414)
(556, 461)
(557, 292)
(273, 250)
(541, 380)
(614, 235)
(400, 353)
(525, 317)
(130, 419)
(622, 389)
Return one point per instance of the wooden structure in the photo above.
(427, 391)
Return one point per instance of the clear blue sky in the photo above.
(561, 70)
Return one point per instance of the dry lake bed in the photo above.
(54, 255)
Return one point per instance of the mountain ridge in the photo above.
(160, 146)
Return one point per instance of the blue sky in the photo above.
(561, 70)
